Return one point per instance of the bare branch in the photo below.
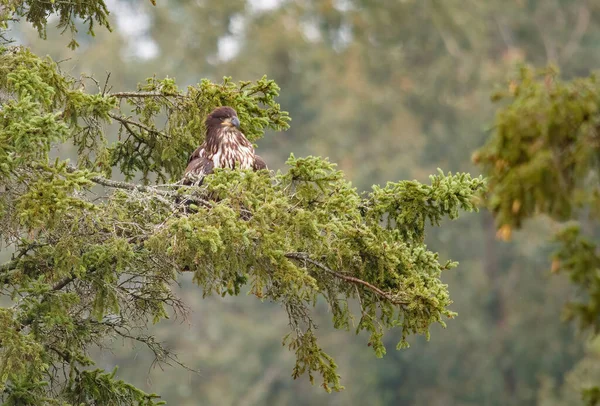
(581, 26)
(147, 189)
(127, 122)
(124, 95)
(505, 33)
(549, 44)
(62, 283)
(104, 91)
(303, 256)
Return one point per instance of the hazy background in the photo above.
(389, 90)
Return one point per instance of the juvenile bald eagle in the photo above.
(225, 146)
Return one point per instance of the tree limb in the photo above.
(299, 256)
(9, 266)
(123, 95)
(6, 269)
(126, 122)
(146, 189)
(303, 256)
(62, 283)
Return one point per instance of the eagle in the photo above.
(225, 146)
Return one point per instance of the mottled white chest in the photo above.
(231, 153)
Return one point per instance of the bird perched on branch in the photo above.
(225, 146)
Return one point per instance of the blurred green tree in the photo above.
(542, 159)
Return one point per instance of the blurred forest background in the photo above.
(389, 90)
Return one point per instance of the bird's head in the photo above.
(222, 117)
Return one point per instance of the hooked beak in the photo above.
(236, 122)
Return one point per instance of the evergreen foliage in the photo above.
(94, 263)
(37, 13)
(543, 159)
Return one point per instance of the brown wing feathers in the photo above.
(259, 163)
(198, 167)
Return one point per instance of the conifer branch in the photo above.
(302, 256)
(126, 186)
(127, 122)
(9, 266)
(124, 95)
(58, 286)
(146, 189)
(7, 270)
(63, 282)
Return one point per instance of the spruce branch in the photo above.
(303, 256)
(124, 95)
(9, 266)
(55, 288)
(146, 189)
(63, 283)
(127, 122)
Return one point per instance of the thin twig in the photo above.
(106, 84)
(62, 283)
(125, 121)
(581, 26)
(302, 256)
(149, 189)
(123, 95)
